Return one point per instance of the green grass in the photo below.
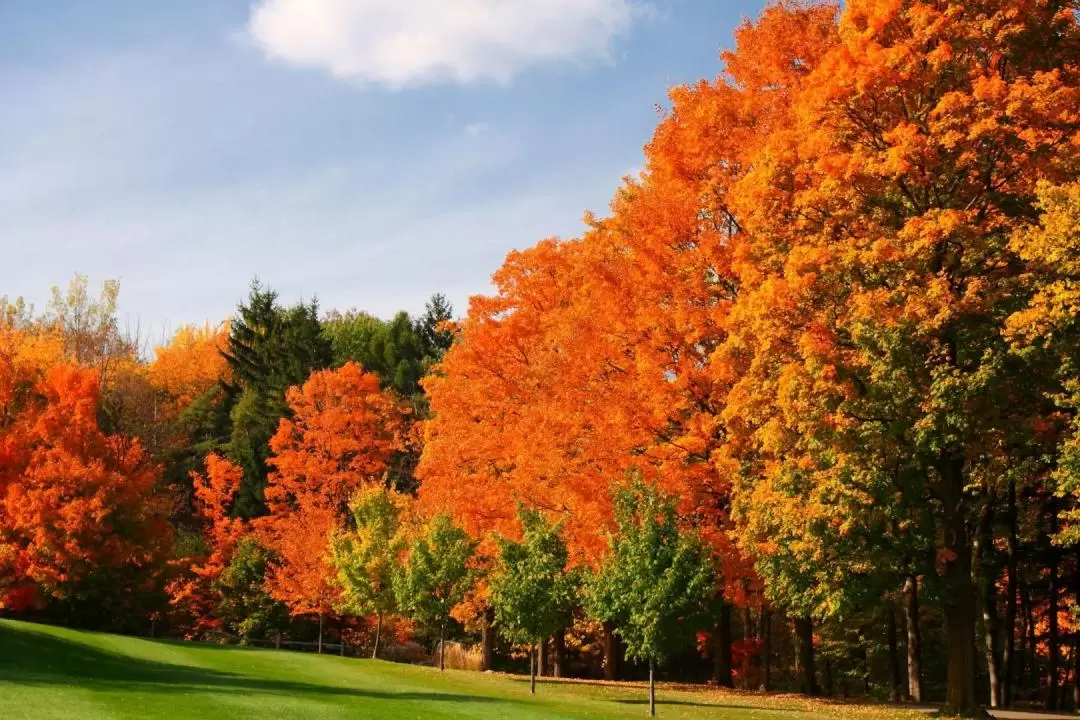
(49, 672)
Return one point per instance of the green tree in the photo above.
(367, 556)
(435, 341)
(435, 577)
(270, 349)
(533, 591)
(245, 606)
(656, 578)
(350, 335)
(400, 350)
(397, 355)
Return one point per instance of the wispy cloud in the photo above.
(476, 129)
(417, 42)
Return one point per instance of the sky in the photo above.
(367, 152)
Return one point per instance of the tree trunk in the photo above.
(1076, 640)
(864, 662)
(319, 643)
(487, 639)
(993, 647)
(378, 635)
(652, 690)
(987, 572)
(1076, 671)
(722, 647)
(1008, 658)
(532, 670)
(1023, 651)
(826, 671)
(1053, 638)
(804, 631)
(1020, 664)
(442, 647)
(1033, 648)
(542, 659)
(748, 639)
(611, 651)
(895, 684)
(558, 646)
(959, 599)
(914, 639)
(766, 649)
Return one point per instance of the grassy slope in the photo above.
(48, 672)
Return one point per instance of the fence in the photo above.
(219, 637)
(387, 651)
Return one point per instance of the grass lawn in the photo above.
(48, 672)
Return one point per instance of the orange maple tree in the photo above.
(595, 355)
(192, 592)
(340, 436)
(78, 518)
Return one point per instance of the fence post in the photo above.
(342, 647)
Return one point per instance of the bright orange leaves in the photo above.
(849, 185)
(341, 436)
(221, 532)
(76, 504)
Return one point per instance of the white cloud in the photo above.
(415, 42)
(476, 129)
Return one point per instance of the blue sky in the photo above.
(371, 152)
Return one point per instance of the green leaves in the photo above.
(657, 578)
(533, 592)
(367, 557)
(270, 350)
(400, 351)
(436, 574)
(245, 606)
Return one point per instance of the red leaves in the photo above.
(75, 503)
(342, 434)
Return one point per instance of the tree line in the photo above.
(800, 412)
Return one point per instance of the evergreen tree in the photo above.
(270, 349)
(435, 340)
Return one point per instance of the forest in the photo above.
(798, 413)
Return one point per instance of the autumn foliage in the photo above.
(340, 437)
(832, 324)
(192, 592)
(77, 513)
(189, 364)
(797, 312)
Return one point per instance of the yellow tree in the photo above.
(878, 277)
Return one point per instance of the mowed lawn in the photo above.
(48, 672)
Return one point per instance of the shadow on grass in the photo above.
(38, 658)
